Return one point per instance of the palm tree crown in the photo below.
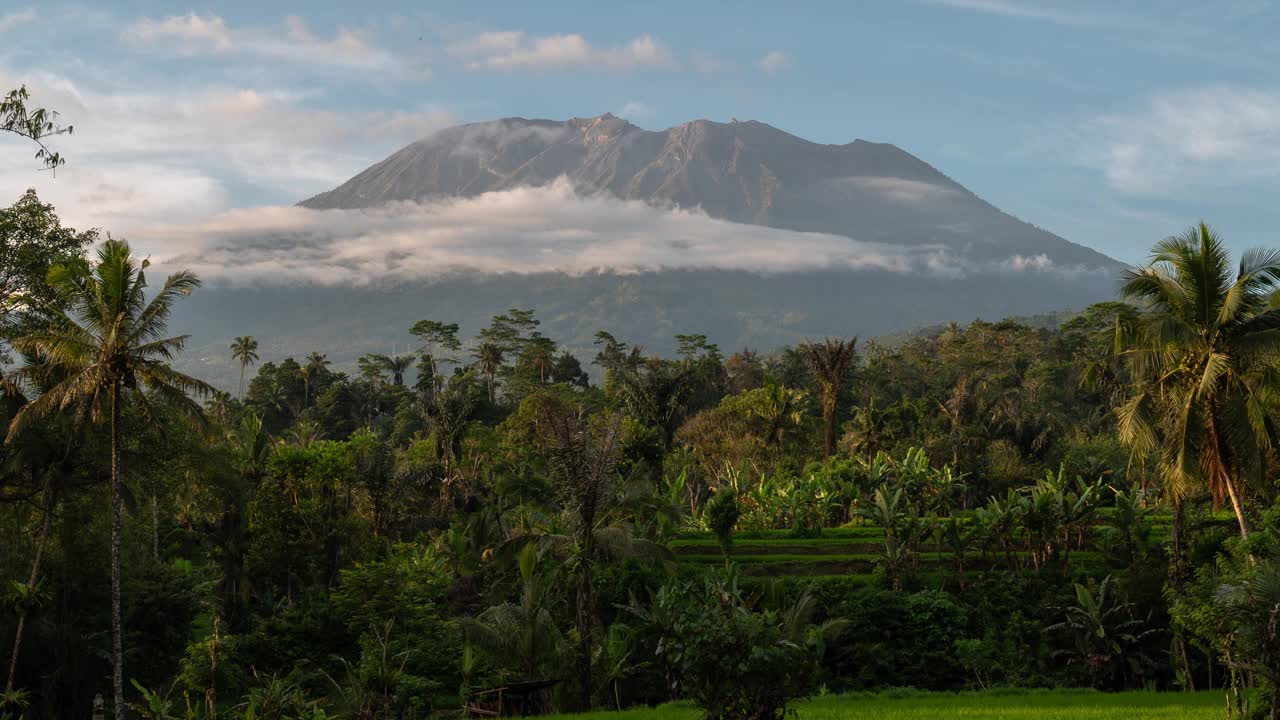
(108, 337)
(1202, 362)
(245, 350)
(831, 363)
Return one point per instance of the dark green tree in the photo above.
(831, 362)
(109, 346)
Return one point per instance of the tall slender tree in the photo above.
(245, 350)
(831, 362)
(1203, 360)
(439, 342)
(395, 365)
(316, 365)
(108, 345)
(399, 365)
(488, 356)
(584, 458)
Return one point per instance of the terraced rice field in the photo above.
(838, 551)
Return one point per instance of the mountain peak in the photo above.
(742, 171)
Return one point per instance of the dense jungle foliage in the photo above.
(982, 506)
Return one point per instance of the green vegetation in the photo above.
(988, 508)
(1056, 705)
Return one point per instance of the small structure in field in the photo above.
(509, 700)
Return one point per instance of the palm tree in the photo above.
(522, 635)
(539, 354)
(489, 357)
(374, 366)
(777, 410)
(397, 365)
(1202, 357)
(304, 434)
(654, 391)
(108, 344)
(831, 363)
(870, 430)
(250, 447)
(583, 459)
(315, 367)
(244, 349)
(450, 410)
(219, 406)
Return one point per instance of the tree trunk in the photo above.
(1177, 573)
(1237, 504)
(232, 558)
(117, 624)
(155, 529)
(31, 582)
(829, 428)
(584, 633)
(242, 365)
(211, 693)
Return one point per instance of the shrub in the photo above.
(721, 515)
(732, 663)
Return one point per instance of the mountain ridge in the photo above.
(742, 171)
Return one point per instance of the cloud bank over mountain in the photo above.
(525, 230)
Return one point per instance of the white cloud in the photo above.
(526, 230)
(140, 156)
(899, 189)
(1183, 141)
(8, 21)
(193, 34)
(1027, 262)
(774, 62)
(636, 111)
(511, 50)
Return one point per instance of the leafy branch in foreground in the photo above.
(34, 124)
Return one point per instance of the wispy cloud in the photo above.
(636, 111)
(1064, 14)
(900, 189)
(774, 62)
(194, 34)
(512, 50)
(8, 21)
(1182, 141)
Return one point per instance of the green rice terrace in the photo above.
(1053, 705)
(847, 552)
(855, 552)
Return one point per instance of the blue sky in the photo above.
(1110, 123)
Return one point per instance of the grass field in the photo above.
(1048, 705)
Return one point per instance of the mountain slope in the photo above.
(746, 172)
(980, 262)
